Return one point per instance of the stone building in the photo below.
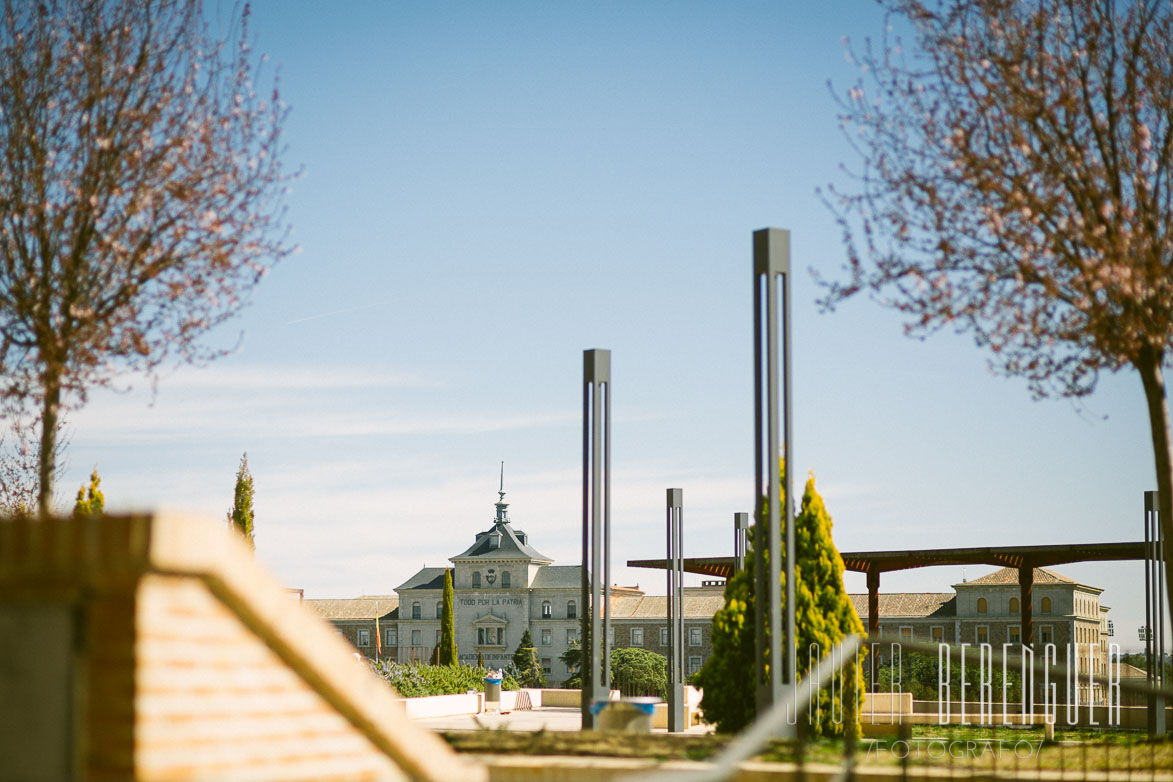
(1065, 613)
(641, 621)
(504, 586)
(362, 620)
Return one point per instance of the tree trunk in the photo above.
(1149, 366)
(48, 455)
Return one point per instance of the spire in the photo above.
(502, 514)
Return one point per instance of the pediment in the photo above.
(490, 619)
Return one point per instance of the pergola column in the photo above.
(873, 605)
(1026, 579)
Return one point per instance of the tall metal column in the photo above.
(740, 540)
(596, 531)
(1154, 566)
(675, 617)
(771, 292)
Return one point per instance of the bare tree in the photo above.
(140, 193)
(1016, 184)
(20, 462)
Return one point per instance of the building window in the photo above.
(392, 636)
(571, 609)
(364, 637)
(905, 633)
(476, 579)
(663, 636)
(546, 665)
(547, 640)
(505, 579)
(547, 609)
(637, 636)
(1046, 634)
(490, 636)
(937, 633)
(694, 663)
(415, 637)
(415, 611)
(694, 636)
(571, 635)
(982, 634)
(439, 610)
(1014, 634)
(1045, 605)
(611, 635)
(981, 608)
(437, 638)
(1014, 605)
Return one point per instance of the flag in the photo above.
(378, 635)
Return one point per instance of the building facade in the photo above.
(986, 610)
(503, 586)
(368, 622)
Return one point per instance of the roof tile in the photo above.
(1009, 575)
(911, 604)
(384, 607)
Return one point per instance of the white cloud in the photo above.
(290, 402)
(226, 377)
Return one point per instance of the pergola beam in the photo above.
(883, 561)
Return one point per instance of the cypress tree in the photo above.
(91, 501)
(823, 616)
(526, 663)
(448, 654)
(241, 516)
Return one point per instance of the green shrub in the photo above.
(639, 672)
(824, 615)
(414, 680)
(633, 671)
(918, 673)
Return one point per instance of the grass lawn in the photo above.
(1006, 749)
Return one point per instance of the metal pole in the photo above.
(1154, 611)
(1149, 506)
(791, 670)
(740, 539)
(1159, 550)
(762, 515)
(771, 267)
(596, 531)
(675, 529)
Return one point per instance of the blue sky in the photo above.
(490, 188)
